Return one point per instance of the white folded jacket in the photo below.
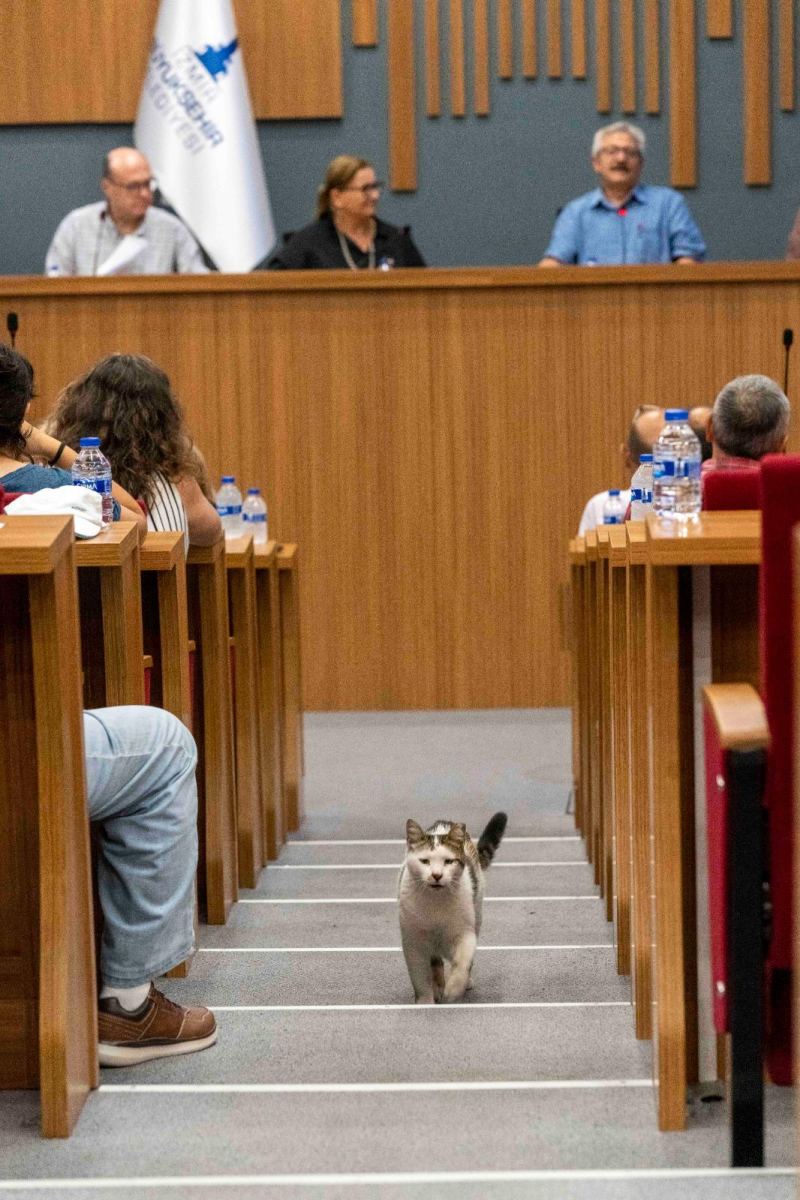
(84, 505)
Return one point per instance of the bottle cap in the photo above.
(254, 491)
(613, 491)
(676, 414)
(645, 458)
(228, 478)
(90, 441)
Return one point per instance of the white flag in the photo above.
(195, 124)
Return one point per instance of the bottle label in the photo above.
(229, 510)
(647, 496)
(612, 520)
(103, 486)
(677, 468)
(636, 494)
(256, 518)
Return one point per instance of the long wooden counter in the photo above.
(430, 437)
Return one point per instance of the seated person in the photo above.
(698, 420)
(647, 423)
(346, 232)
(623, 220)
(126, 399)
(124, 234)
(21, 443)
(750, 418)
(141, 793)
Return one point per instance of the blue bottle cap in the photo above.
(676, 414)
(90, 441)
(645, 458)
(613, 491)
(228, 478)
(254, 491)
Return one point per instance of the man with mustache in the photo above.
(623, 220)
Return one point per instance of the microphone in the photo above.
(12, 325)
(788, 338)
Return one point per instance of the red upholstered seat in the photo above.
(732, 489)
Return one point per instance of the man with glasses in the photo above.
(623, 220)
(124, 234)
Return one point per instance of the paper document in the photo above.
(123, 255)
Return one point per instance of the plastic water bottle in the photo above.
(92, 470)
(613, 512)
(254, 512)
(642, 488)
(229, 506)
(676, 469)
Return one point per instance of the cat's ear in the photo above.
(457, 834)
(415, 834)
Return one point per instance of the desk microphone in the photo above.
(788, 338)
(12, 325)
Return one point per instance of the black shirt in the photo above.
(317, 246)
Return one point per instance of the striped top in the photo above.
(165, 512)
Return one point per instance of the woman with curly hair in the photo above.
(126, 400)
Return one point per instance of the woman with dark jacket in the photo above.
(347, 233)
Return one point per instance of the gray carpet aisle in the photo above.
(328, 1082)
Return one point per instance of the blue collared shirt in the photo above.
(654, 226)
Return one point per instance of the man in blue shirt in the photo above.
(623, 220)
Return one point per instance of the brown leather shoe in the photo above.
(156, 1029)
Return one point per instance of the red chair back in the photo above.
(732, 489)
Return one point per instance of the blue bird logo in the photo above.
(215, 59)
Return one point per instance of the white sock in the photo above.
(129, 998)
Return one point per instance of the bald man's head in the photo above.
(127, 185)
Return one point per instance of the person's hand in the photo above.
(38, 443)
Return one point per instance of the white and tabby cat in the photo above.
(441, 903)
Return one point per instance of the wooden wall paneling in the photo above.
(555, 67)
(364, 22)
(458, 98)
(530, 40)
(602, 52)
(652, 57)
(627, 55)
(578, 39)
(402, 96)
(756, 89)
(480, 57)
(505, 39)
(786, 54)
(683, 93)
(719, 18)
(433, 73)
(293, 54)
(64, 72)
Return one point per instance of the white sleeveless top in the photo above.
(165, 512)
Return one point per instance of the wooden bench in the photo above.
(166, 623)
(292, 694)
(48, 1007)
(270, 688)
(212, 723)
(111, 616)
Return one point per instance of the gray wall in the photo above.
(488, 187)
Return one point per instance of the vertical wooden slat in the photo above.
(627, 54)
(365, 22)
(458, 103)
(530, 40)
(652, 57)
(505, 40)
(578, 39)
(719, 18)
(433, 75)
(786, 56)
(683, 94)
(480, 78)
(554, 49)
(402, 124)
(757, 123)
(602, 52)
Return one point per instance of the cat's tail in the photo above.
(491, 838)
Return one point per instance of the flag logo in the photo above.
(215, 59)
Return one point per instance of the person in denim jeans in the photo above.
(140, 782)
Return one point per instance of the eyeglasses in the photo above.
(625, 151)
(365, 188)
(139, 185)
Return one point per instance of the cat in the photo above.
(440, 895)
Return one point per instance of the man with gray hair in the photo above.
(623, 220)
(750, 418)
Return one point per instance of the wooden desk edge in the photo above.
(161, 551)
(110, 548)
(34, 550)
(287, 556)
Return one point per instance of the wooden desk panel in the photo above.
(428, 437)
